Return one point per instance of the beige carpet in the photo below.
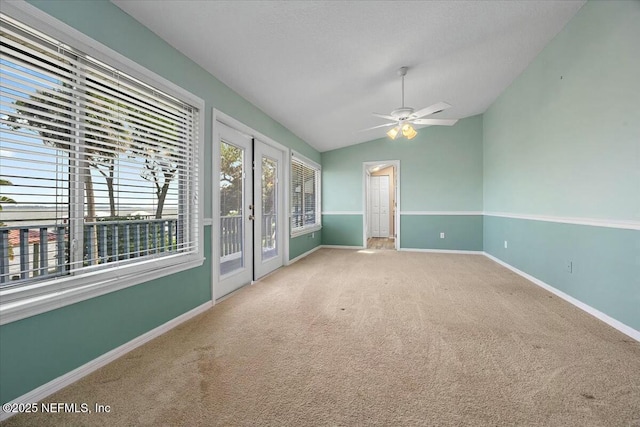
(374, 338)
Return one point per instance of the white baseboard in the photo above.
(625, 329)
(59, 383)
(299, 257)
(442, 251)
(342, 247)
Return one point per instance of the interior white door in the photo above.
(379, 217)
(236, 210)
(375, 206)
(268, 184)
(384, 206)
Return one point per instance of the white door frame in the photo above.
(396, 209)
(221, 117)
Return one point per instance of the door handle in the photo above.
(251, 217)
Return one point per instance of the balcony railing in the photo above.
(231, 239)
(39, 251)
(231, 235)
(47, 245)
(34, 252)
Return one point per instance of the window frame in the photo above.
(26, 300)
(306, 229)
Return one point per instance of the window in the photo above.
(98, 171)
(305, 195)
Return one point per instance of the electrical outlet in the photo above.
(505, 244)
(569, 266)
(442, 235)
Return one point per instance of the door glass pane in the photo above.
(269, 208)
(231, 204)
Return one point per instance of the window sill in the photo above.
(312, 229)
(83, 288)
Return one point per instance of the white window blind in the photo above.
(305, 195)
(98, 170)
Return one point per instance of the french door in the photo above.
(251, 210)
(268, 226)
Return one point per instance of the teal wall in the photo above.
(343, 230)
(605, 262)
(38, 349)
(462, 232)
(564, 140)
(440, 170)
(304, 243)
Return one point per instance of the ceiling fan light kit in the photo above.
(402, 118)
(393, 132)
(407, 131)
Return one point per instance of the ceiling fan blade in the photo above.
(379, 126)
(438, 122)
(435, 108)
(384, 116)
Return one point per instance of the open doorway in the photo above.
(381, 201)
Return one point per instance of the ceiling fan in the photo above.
(403, 117)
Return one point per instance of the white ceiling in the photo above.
(322, 67)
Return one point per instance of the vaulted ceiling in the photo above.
(322, 67)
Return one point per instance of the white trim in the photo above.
(342, 247)
(461, 213)
(207, 222)
(343, 213)
(441, 251)
(625, 329)
(215, 203)
(302, 231)
(299, 257)
(62, 381)
(595, 222)
(231, 257)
